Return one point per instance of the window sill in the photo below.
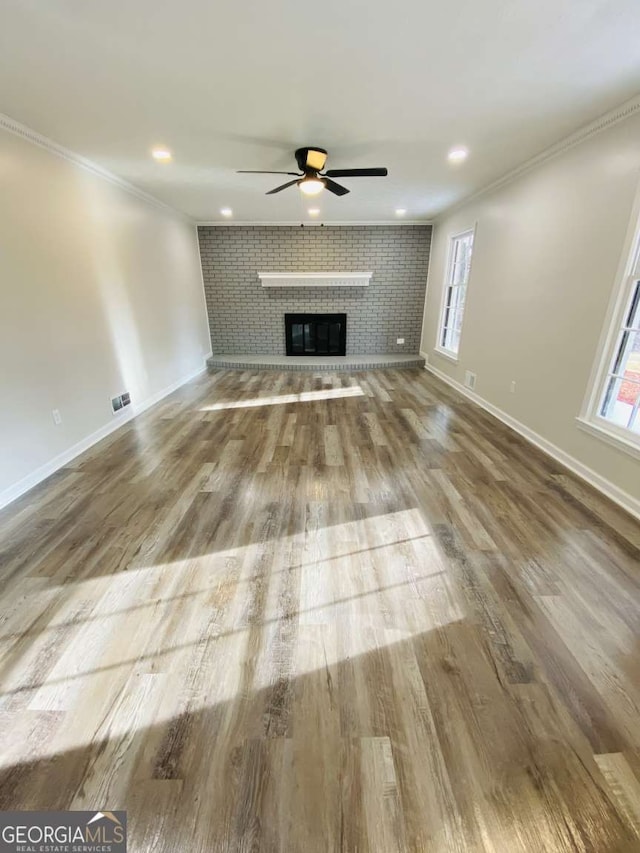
(451, 356)
(628, 446)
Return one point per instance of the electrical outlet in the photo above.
(399, 340)
(469, 379)
(512, 387)
(57, 417)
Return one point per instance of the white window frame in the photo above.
(628, 275)
(439, 346)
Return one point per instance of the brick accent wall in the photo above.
(244, 317)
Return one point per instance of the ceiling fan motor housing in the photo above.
(311, 159)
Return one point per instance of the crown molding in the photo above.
(21, 130)
(313, 224)
(604, 122)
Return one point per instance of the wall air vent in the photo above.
(119, 402)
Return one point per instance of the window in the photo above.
(620, 402)
(454, 298)
(615, 407)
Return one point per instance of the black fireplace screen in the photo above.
(316, 334)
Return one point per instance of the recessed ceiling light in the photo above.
(457, 155)
(162, 155)
(226, 211)
(314, 211)
(400, 211)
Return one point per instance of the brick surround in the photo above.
(246, 318)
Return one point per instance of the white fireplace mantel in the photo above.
(315, 279)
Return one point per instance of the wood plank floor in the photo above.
(342, 612)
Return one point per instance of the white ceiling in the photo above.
(232, 85)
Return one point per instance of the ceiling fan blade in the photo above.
(334, 188)
(284, 186)
(357, 173)
(258, 172)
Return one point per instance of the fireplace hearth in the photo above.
(316, 334)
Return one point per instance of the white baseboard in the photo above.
(606, 487)
(62, 459)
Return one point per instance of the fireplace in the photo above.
(316, 334)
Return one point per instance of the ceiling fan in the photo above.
(311, 179)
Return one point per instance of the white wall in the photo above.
(546, 254)
(100, 292)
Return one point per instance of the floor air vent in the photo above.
(120, 401)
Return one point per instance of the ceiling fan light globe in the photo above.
(311, 186)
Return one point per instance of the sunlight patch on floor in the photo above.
(348, 588)
(282, 399)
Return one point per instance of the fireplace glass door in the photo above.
(316, 334)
